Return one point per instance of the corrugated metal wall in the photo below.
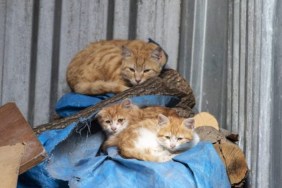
(228, 50)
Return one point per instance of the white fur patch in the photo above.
(146, 139)
(189, 145)
(196, 139)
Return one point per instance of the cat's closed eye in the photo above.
(167, 137)
(147, 70)
(132, 69)
(120, 120)
(179, 138)
(108, 121)
(188, 140)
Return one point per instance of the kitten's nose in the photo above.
(138, 81)
(113, 128)
(172, 145)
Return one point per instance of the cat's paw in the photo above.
(123, 88)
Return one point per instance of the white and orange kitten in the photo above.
(157, 140)
(177, 134)
(113, 119)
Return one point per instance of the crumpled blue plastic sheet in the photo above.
(75, 159)
(72, 103)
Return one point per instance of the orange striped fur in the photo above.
(114, 66)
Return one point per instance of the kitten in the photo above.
(155, 140)
(180, 136)
(114, 66)
(113, 119)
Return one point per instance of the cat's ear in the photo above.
(99, 114)
(125, 52)
(126, 103)
(189, 123)
(162, 120)
(157, 54)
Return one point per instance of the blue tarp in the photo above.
(76, 161)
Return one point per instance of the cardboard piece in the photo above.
(205, 119)
(10, 160)
(15, 129)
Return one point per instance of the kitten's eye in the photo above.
(108, 121)
(120, 120)
(167, 137)
(147, 70)
(132, 69)
(179, 138)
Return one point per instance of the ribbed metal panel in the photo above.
(276, 125)
(229, 51)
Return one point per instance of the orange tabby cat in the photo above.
(155, 140)
(114, 66)
(115, 118)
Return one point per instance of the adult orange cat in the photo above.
(155, 140)
(115, 65)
